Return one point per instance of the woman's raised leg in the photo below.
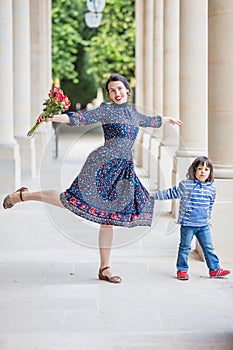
(47, 196)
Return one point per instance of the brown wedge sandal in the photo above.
(7, 203)
(113, 279)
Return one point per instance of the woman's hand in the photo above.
(40, 119)
(172, 121)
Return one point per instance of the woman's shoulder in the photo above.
(103, 104)
(107, 106)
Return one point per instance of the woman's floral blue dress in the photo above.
(107, 190)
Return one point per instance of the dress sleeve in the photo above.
(171, 193)
(147, 121)
(81, 118)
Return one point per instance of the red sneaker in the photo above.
(182, 275)
(219, 273)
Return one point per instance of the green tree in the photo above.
(112, 48)
(85, 90)
(82, 57)
(65, 38)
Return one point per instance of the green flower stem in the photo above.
(32, 131)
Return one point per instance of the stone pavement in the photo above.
(51, 299)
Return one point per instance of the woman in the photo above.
(107, 190)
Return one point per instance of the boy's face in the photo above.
(202, 172)
(118, 92)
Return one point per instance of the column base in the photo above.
(154, 164)
(27, 154)
(166, 166)
(223, 171)
(42, 143)
(221, 222)
(10, 168)
(222, 218)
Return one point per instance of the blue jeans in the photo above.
(204, 238)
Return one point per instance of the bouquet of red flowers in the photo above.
(56, 103)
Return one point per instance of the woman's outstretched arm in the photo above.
(58, 118)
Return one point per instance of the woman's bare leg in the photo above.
(47, 196)
(105, 246)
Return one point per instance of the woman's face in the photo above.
(202, 172)
(117, 91)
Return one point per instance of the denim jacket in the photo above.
(196, 201)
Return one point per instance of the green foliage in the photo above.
(82, 57)
(65, 38)
(112, 48)
(85, 90)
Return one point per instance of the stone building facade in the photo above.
(184, 68)
(25, 78)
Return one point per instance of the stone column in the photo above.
(148, 54)
(40, 32)
(139, 89)
(22, 92)
(170, 141)
(46, 45)
(139, 48)
(158, 56)
(148, 80)
(221, 119)
(9, 149)
(193, 84)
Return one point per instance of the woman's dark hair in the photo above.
(200, 161)
(117, 77)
